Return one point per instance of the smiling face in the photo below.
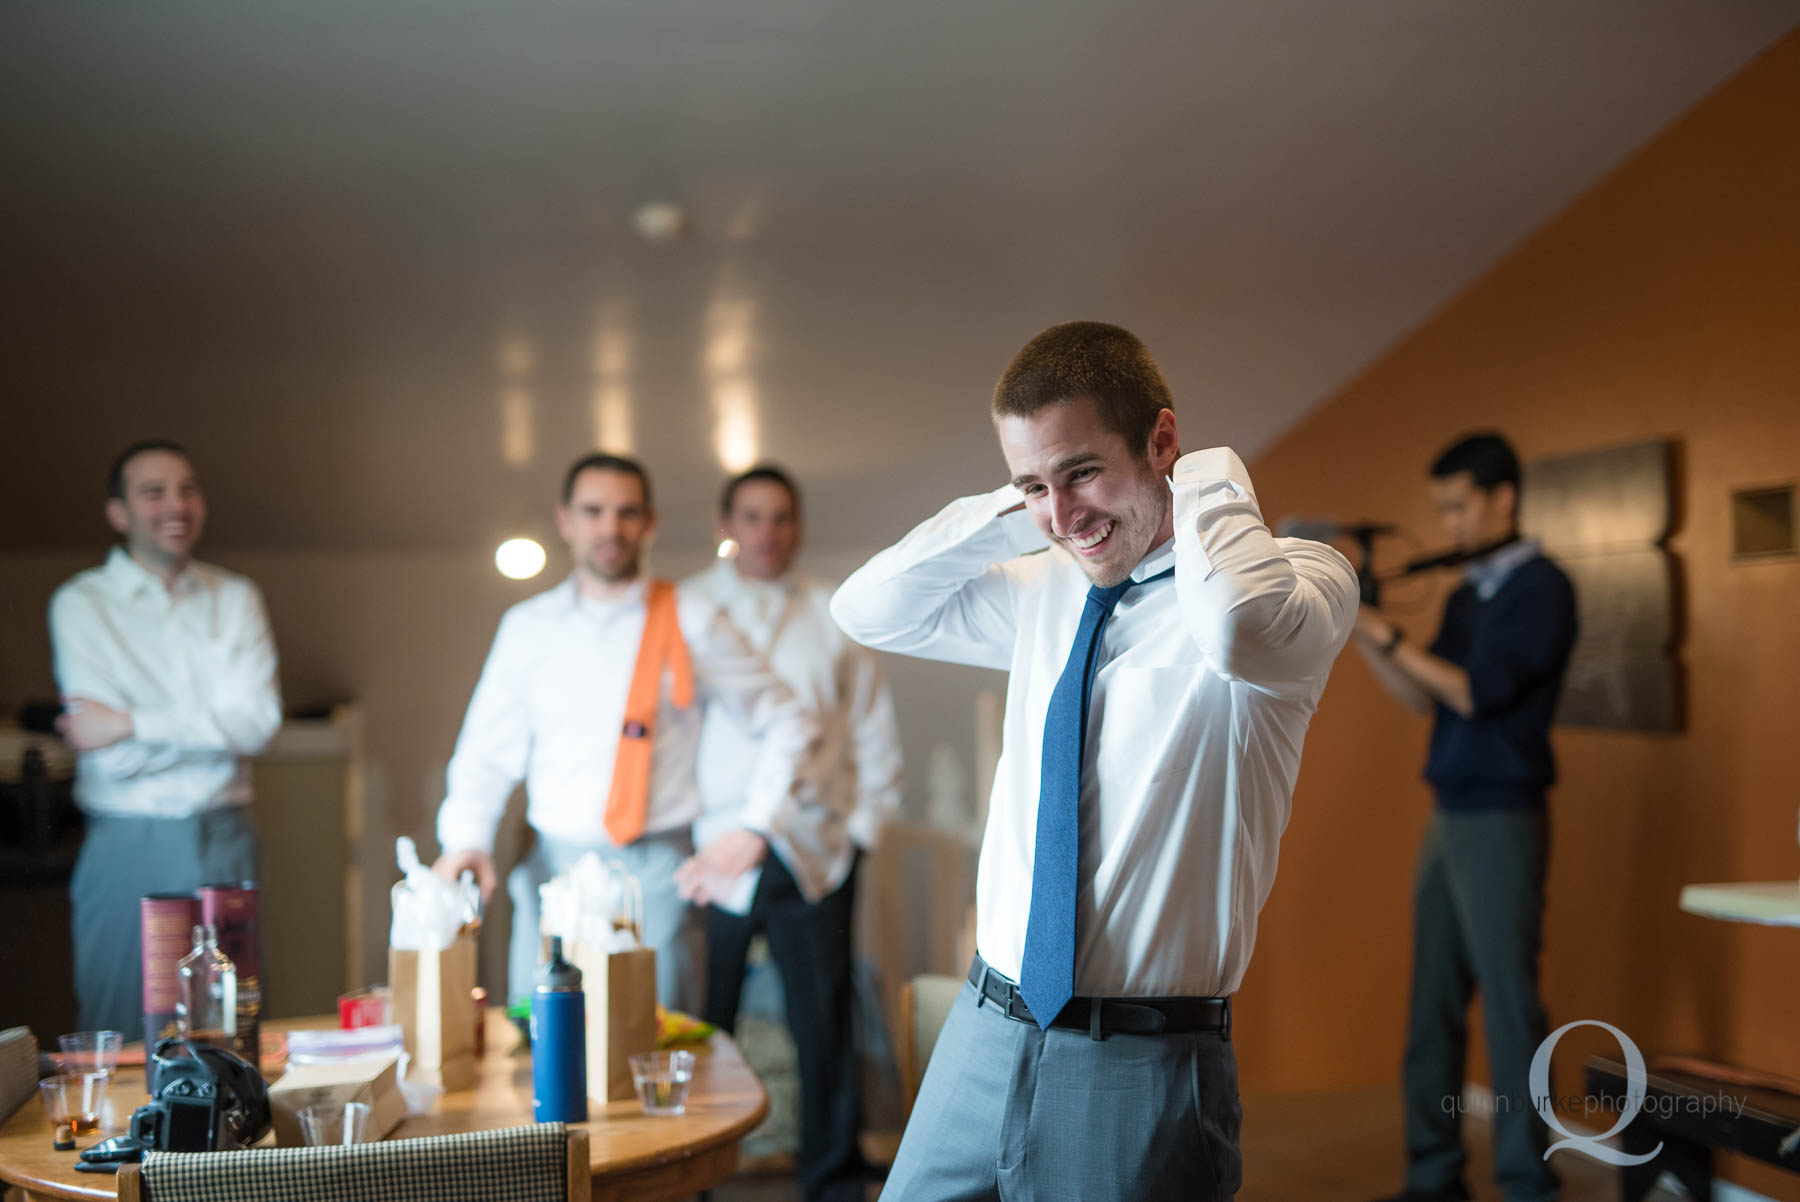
(606, 523)
(1087, 490)
(162, 511)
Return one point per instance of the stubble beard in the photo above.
(624, 572)
(1131, 540)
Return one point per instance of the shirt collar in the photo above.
(1159, 559)
(730, 582)
(1491, 572)
(133, 579)
(634, 596)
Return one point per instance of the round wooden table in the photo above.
(633, 1155)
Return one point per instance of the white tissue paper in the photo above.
(594, 904)
(428, 910)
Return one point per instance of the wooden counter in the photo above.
(633, 1155)
(1770, 903)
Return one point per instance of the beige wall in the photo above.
(1666, 303)
(403, 634)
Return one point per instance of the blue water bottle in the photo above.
(559, 1042)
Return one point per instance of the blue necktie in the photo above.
(1047, 976)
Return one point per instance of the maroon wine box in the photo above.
(166, 931)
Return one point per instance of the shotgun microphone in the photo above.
(1323, 530)
(1447, 559)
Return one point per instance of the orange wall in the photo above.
(1664, 303)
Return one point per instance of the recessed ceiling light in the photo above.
(661, 222)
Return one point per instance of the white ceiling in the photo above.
(373, 262)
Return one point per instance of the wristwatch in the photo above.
(1393, 640)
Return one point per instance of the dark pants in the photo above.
(1478, 908)
(121, 860)
(811, 946)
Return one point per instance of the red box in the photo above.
(364, 1008)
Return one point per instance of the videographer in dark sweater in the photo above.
(1491, 680)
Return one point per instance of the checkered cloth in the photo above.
(517, 1164)
(18, 1069)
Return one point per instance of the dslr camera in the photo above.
(204, 1100)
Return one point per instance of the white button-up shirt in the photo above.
(855, 770)
(550, 704)
(1200, 704)
(192, 663)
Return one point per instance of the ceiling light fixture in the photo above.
(661, 223)
(519, 558)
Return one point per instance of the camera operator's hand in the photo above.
(1372, 628)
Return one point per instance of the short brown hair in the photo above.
(115, 475)
(600, 461)
(1104, 363)
(763, 471)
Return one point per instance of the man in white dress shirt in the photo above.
(552, 710)
(1166, 655)
(167, 674)
(804, 896)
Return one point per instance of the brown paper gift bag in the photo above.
(621, 1014)
(619, 981)
(434, 1003)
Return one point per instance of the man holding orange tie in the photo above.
(594, 695)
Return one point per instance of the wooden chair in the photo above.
(925, 1003)
(539, 1163)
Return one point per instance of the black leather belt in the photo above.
(1101, 1017)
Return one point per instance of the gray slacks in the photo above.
(674, 928)
(1478, 914)
(1009, 1113)
(121, 860)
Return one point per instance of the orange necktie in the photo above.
(662, 648)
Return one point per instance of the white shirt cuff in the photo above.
(1211, 466)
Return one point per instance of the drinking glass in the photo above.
(662, 1080)
(74, 1102)
(90, 1051)
(334, 1123)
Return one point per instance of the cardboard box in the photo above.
(369, 1079)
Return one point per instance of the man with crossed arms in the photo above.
(605, 739)
(1166, 655)
(168, 675)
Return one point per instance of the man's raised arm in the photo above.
(1273, 613)
(940, 592)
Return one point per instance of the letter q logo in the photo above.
(1636, 1086)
